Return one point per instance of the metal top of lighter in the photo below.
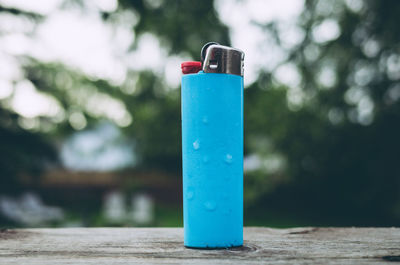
(222, 59)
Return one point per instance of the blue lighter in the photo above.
(212, 148)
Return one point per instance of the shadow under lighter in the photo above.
(212, 148)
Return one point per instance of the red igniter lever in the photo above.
(190, 67)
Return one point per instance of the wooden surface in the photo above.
(165, 246)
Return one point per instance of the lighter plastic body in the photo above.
(212, 154)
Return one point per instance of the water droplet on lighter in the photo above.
(196, 145)
(227, 211)
(205, 120)
(210, 205)
(206, 159)
(228, 158)
(190, 193)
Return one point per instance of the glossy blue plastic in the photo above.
(212, 154)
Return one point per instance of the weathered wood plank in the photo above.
(165, 246)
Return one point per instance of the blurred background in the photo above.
(90, 109)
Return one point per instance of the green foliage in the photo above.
(341, 163)
(183, 26)
(21, 152)
(337, 147)
(156, 124)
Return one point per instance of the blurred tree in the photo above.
(22, 151)
(181, 27)
(341, 141)
(332, 153)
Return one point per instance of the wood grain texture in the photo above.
(165, 246)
